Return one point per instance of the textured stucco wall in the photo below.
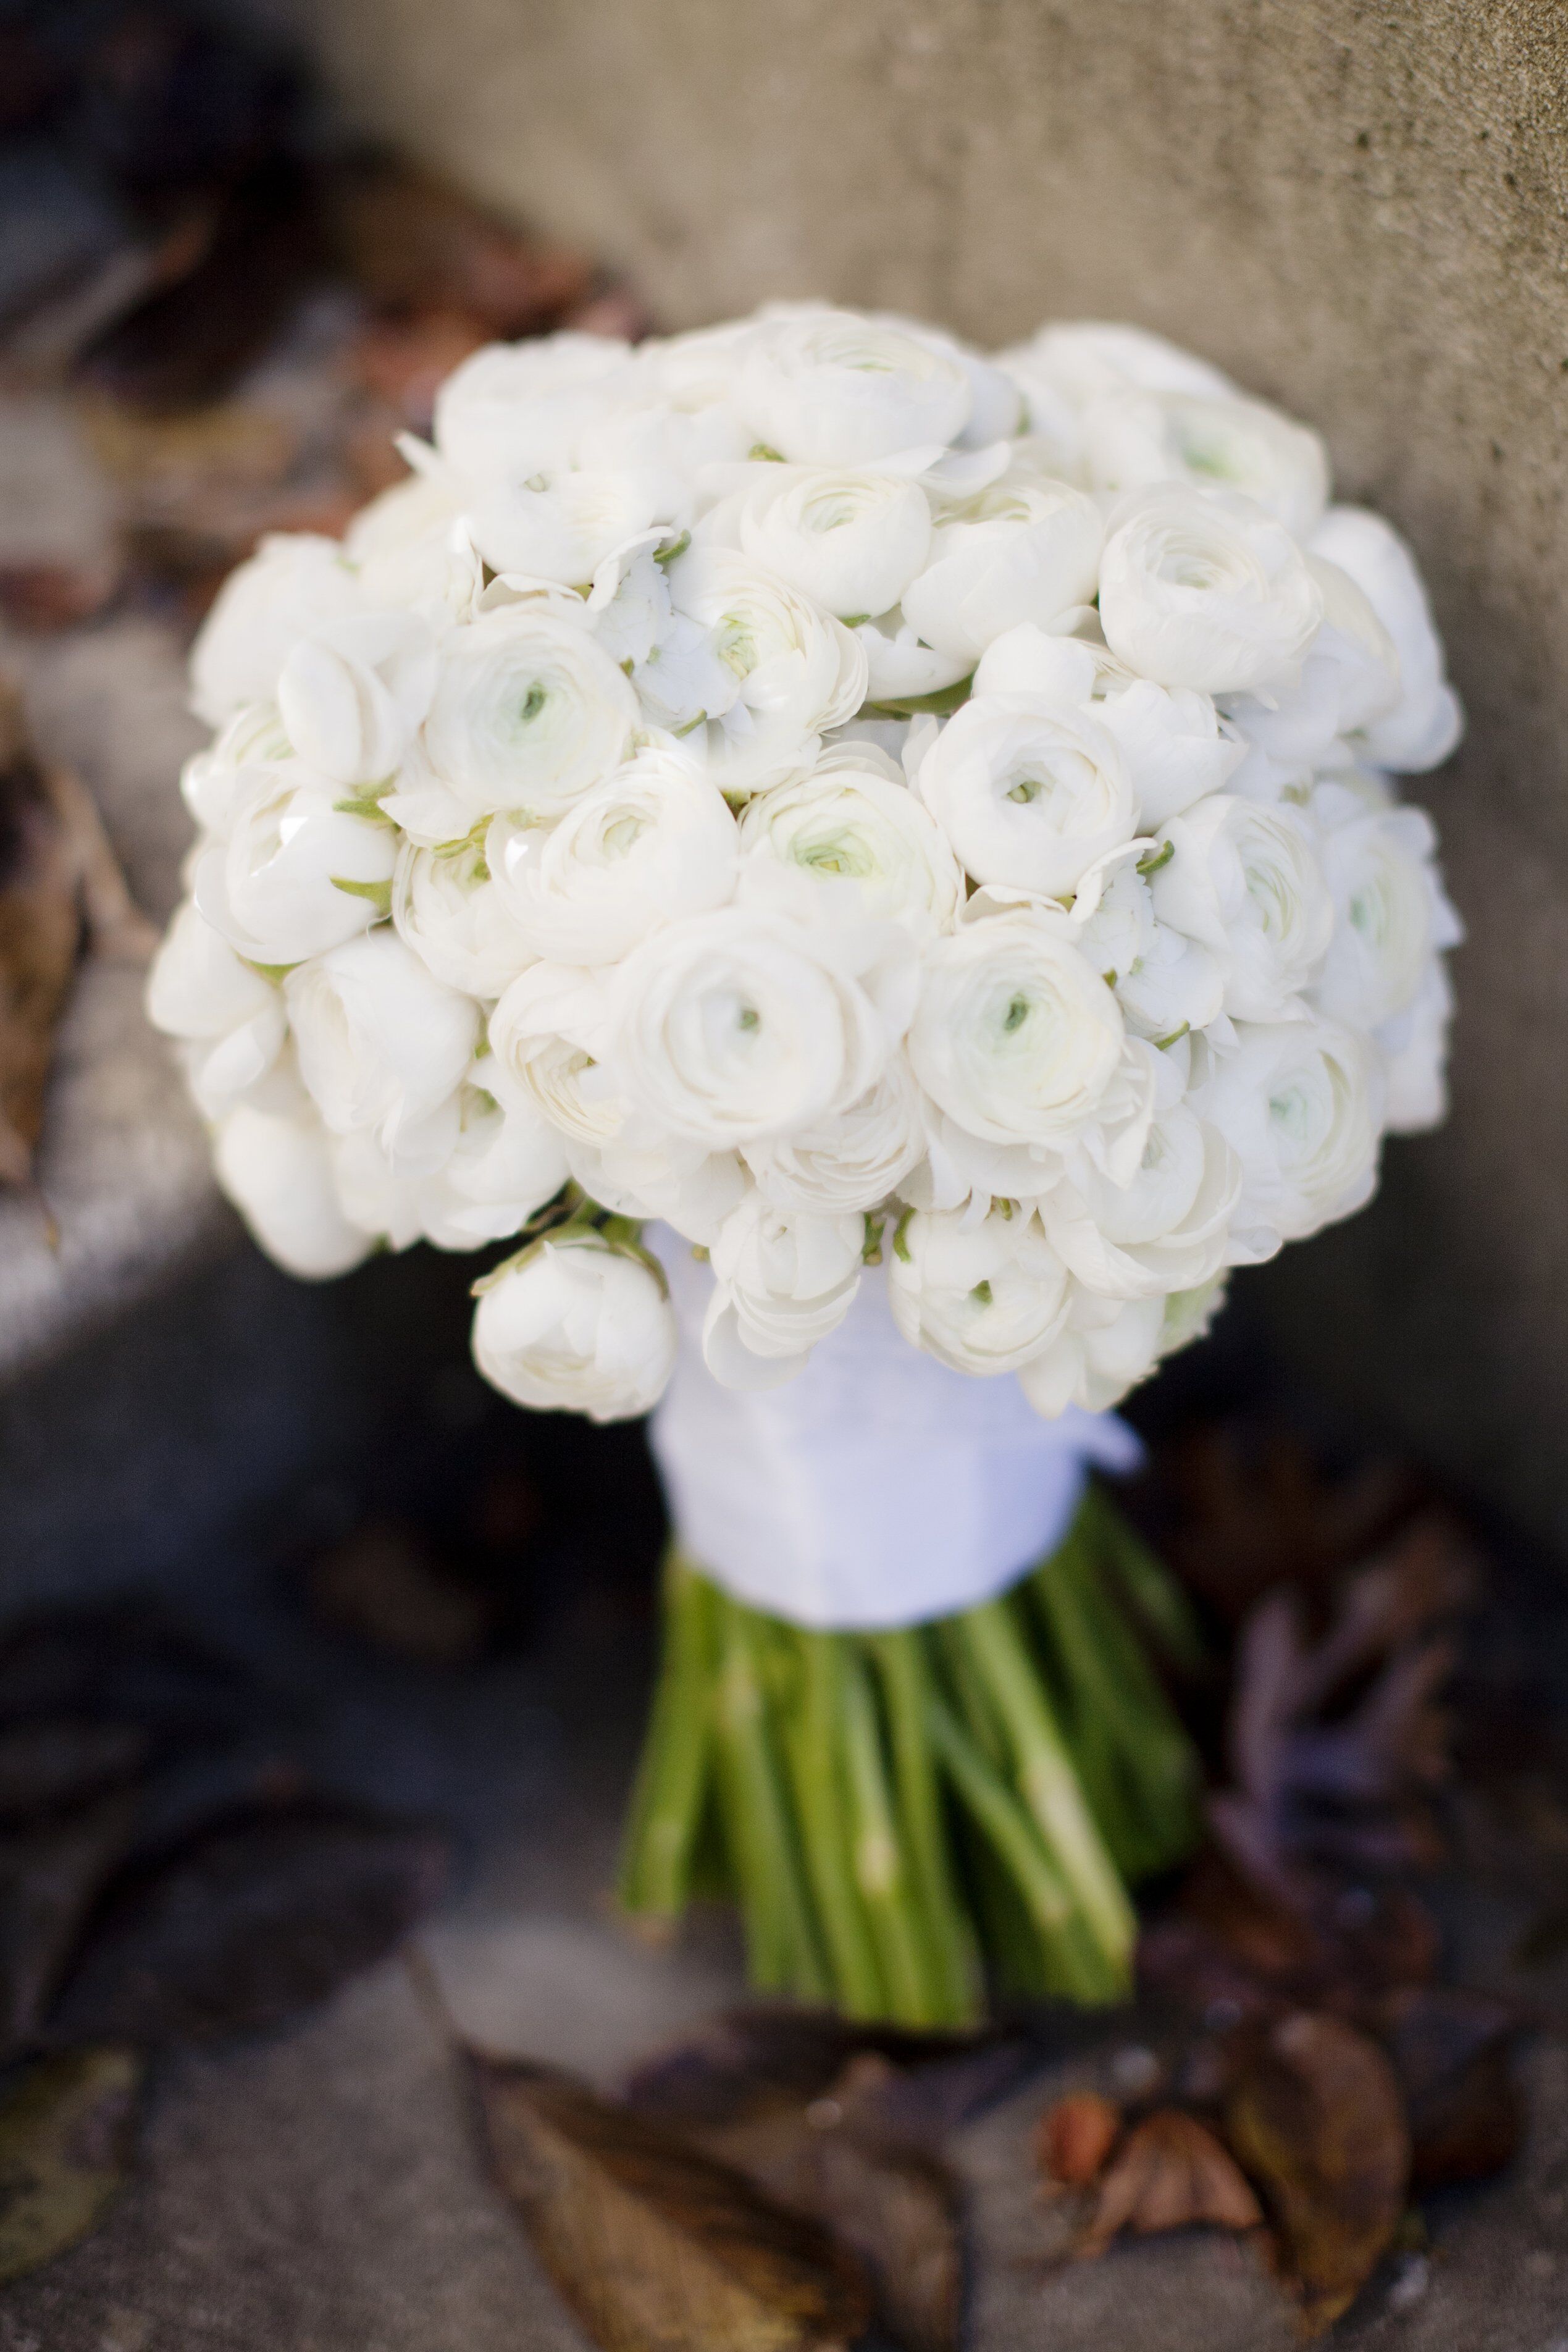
(1359, 207)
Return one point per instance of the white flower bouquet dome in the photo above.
(879, 865)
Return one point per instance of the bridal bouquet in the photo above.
(878, 865)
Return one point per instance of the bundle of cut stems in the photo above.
(910, 1820)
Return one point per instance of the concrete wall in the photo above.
(1356, 205)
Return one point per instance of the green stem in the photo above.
(1006, 1827)
(672, 1776)
(811, 1745)
(905, 1685)
(781, 1943)
(908, 1970)
(1050, 1786)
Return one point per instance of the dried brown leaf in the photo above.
(1258, 1513)
(412, 242)
(657, 2245)
(1075, 2136)
(68, 2128)
(40, 938)
(249, 1921)
(1450, 2049)
(1316, 2117)
(1171, 2173)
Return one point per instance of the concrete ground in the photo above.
(315, 2190)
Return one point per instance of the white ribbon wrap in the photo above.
(877, 1489)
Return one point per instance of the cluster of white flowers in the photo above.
(841, 795)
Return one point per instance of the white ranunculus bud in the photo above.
(853, 542)
(996, 404)
(784, 1280)
(577, 1324)
(1105, 1348)
(448, 907)
(1018, 552)
(382, 1045)
(1065, 371)
(352, 694)
(826, 387)
(548, 1036)
(1204, 588)
(661, 1176)
(1248, 883)
(1425, 721)
(798, 671)
(1166, 983)
(505, 1163)
(852, 1162)
(229, 1016)
(275, 1166)
(511, 410)
(291, 874)
(653, 843)
(412, 553)
(982, 1295)
(562, 526)
(1349, 679)
(527, 712)
(1030, 792)
(1166, 1229)
(294, 583)
(1413, 1049)
(1300, 1103)
(209, 781)
(1135, 439)
(743, 1023)
(854, 821)
(1015, 1035)
(1389, 906)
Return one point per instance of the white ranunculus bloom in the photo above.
(1016, 1037)
(1204, 588)
(505, 1163)
(1248, 883)
(797, 670)
(382, 1045)
(853, 542)
(229, 1016)
(899, 668)
(783, 1279)
(662, 1176)
(1300, 1103)
(209, 781)
(1066, 369)
(1029, 792)
(527, 712)
(291, 875)
(1167, 1229)
(1105, 1348)
(352, 694)
(1390, 912)
(547, 1036)
(1135, 439)
(577, 1324)
(854, 821)
(1166, 983)
(996, 404)
(274, 1163)
(448, 907)
(1170, 738)
(511, 410)
(825, 387)
(653, 843)
(851, 1162)
(983, 1295)
(412, 553)
(294, 583)
(1349, 679)
(1018, 552)
(564, 526)
(1413, 1048)
(743, 1023)
(1426, 722)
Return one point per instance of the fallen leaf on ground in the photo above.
(67, 2126)
(890, 2199)
(1076, 2134)
(385, 1582)
(1171, 2173)
(1316, 2117)
(1451, 2051)
(40, 938)
(656, 2245)
(248, 1922)
(412, 242)
(1258, 1512)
